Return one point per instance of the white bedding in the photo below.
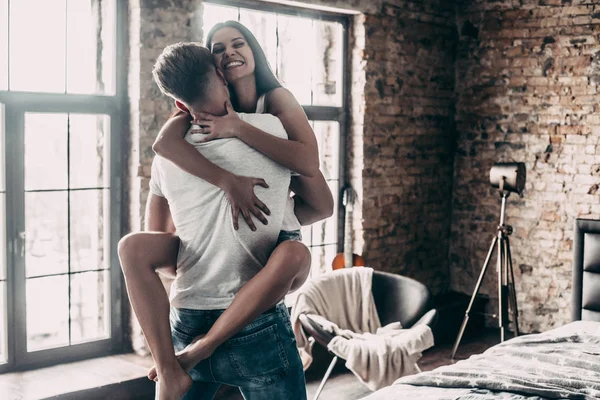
(561, 363)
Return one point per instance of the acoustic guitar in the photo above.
(348, 258)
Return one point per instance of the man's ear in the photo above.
(181, 106)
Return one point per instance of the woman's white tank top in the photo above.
(290, 221)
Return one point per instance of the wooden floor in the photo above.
(117, 377)
(343, 385)
(122, 377)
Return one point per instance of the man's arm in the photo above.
(170, 144)
(312, 198)
(158, 215)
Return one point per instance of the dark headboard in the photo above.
(586, 270)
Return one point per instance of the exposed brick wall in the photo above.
(409, 139)
(527, 76)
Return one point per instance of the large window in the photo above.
(59, 180)
(307, 50)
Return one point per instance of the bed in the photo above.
(563, 363)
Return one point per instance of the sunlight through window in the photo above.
(305, 53)
(3, 252)
(3, 44)
(66, 224)
(60, 218)
(60, 46)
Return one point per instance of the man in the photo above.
(215, 261)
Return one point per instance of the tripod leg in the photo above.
(513, 293)
(475, 291)
(501, 287)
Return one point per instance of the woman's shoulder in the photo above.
(279, 99)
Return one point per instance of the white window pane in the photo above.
(89, 214)
(37, 45)
(306, 235)
(213, 14)
(3, 252)
(82, 49)
(2, 149)
(322, 257)
(46, 235)
(109, 46)
(296, 51)
(3, 44)
(45, 151)
(90, 60)
(89, 306)
(88, 143)
(47, 311)
(326, 231)
(328, 140)
(264, 27)
(328, 63)
(3, 331)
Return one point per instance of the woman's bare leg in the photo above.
(141, 254)
(285, 271)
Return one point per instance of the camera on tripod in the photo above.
(507, 178)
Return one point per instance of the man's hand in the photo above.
(240, 193)
(215, 127)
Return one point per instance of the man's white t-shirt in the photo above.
(214, 259)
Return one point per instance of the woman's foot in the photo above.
(195, 352)
(174, 383)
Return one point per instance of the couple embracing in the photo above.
(240, 145)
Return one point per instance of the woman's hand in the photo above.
(240, 193)
(216, 127)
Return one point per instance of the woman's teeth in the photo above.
(234, 64)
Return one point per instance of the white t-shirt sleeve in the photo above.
(155, 179)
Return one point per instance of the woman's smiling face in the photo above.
(232, 54)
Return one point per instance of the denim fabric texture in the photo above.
(289, 235)
(261, 360)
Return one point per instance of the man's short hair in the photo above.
(183, 71)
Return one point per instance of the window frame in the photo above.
(339, 114)
(16, 105)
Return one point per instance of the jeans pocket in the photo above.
(287, 323)
(185, 327)
(180, 339)
(259, 357)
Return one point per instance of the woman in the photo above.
(254, 88)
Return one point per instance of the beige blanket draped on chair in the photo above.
(342, 302)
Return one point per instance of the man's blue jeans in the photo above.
(261, 360)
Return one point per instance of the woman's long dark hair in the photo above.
(265, 78)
